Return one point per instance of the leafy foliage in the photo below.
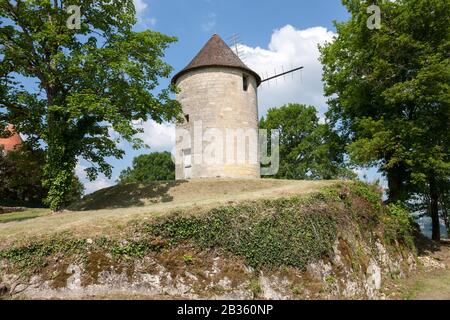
(150, 167)
(399, 224)
(389, 94)
(90, 82)
(370, 193)
(21, 175)
(32, 257)
(308, 150)
(287, 237)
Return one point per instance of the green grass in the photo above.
(107, 213)
(24, 215)
(138, 195)
(267, 233)
(429, 286)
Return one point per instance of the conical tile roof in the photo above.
(216, 53)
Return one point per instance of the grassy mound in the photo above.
(110, 210)
(284, 232)
(192, 191)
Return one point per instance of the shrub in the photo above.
(276, 233)
(398, 225)
(369, 192)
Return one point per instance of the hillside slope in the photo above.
(192, 191)
(337, 242)
(107, 210)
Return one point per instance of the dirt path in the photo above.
(432, 282)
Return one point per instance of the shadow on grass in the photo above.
(127, 195)
(17, 217)
(426, 246)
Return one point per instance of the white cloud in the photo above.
(140, 6)
(210, 22)
(290, 47)
(143, 21)
(100, 183)
(160, 137)
(91, 186)
(152, 21)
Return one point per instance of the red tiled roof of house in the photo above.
(11, 143)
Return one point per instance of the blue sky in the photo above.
(194, 21)
(274, 35)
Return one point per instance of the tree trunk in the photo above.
(61, 161)
(447, 224)
(434, 208)
(446, 217)
(395, 184)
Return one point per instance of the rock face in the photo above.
(215, 277)
(3, 289)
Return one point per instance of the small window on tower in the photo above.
(245, 82)
(186, 116)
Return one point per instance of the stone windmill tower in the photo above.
(218, 94)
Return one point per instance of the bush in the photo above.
(157, 166)
(369, 192)
(273, 233)
(21, 176)
(398, 225)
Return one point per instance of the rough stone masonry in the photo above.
(218, 137)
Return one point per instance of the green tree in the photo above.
(389, 94)
(21, 175)
(445, 205)
(157, 166)
(91, 81)
(308, 149)
(420, 201)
